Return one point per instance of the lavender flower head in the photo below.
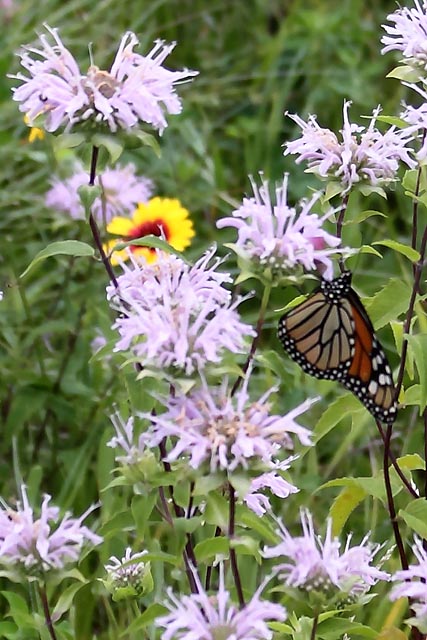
(210, 426)
(363, 156)
(316, 565)
(43, 543)
(412, 583)
(208, 617)
(174, 315)
(122, 191)
(136, 89)
(279, 236)
(408, 35)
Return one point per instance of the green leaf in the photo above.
(334, 628)
(150, 614)
(412, 395)
(344, 504)
(88, 194)
(367, 190)
(406, 251)
(246, 545)
(412, 461)
(153, 242)
(16, 602)
(366, 248)
(64, 248)
(65, 600)
(262, 526)
(415, 516)
(395, 121)
(364, 215)
(338, 410)
(371, 486)
(216, 511)
(209, 548)
(391, 301)
(206, 484)
(68, 141)
(418, 345)
(332, 189)
(114, 148)
(403, 72)
(136, 137)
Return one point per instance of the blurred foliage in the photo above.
(256, 60)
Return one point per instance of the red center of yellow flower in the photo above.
(152, 227)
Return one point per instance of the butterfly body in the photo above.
(331, 337)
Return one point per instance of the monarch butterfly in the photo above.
(331, 337)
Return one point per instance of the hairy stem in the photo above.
(233, 559)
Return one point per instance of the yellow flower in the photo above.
(162, 217)
(35, 133)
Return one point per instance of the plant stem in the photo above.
(406, 328)
(425, 451)
(94, 226)
(340, 222)
(314, 627)
(395, 464)
(233, 559)
(210, 567)
(390, 501)
(45, 605)
(189, 557)
(254, 345)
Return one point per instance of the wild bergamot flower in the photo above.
(162, 217)
(45, 542)
(136, 89)
(216, 617)
(362, 156)
(177, 316)
(276, 235)
(312, 564)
